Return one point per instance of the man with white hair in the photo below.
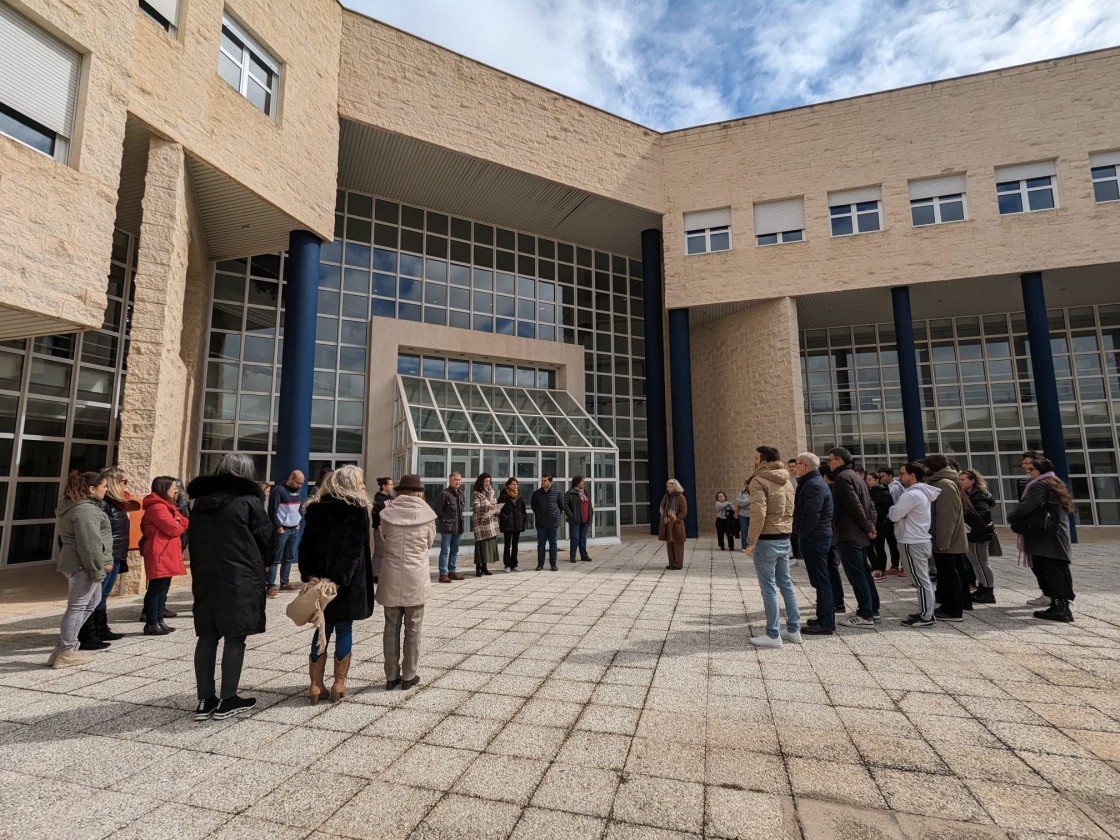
(812, 527)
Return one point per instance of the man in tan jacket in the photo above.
(768, 545)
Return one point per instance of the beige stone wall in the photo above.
(746, 386)
(1063, 109)
(401, 83)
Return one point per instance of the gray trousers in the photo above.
(408, 619)
(916, 558)
(978, 556)
(81, 600)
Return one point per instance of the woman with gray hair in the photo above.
(673, 510)
(230, 543)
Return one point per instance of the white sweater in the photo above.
(911, 514)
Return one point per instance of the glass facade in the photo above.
(60, 398)
(978, 403)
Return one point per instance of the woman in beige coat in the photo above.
(408, 529)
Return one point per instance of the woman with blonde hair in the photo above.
(335, 545)
(117, 504)
(673, 510)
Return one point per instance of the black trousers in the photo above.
(727, 528)
(820, 567)
(836, 583)
(949, 584)
(1054, 577)
(509, 550)
(205, 659)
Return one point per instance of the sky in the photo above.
(671, 64)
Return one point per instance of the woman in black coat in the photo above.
(231, 546)
(512, 520)
(1041, 519)
(335, 545)
(881, 500)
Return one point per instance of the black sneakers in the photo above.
(917, 621)
(230, 706)
(205, 708)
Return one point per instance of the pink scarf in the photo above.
(1024, 557)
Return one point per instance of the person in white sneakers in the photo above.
(912, 517)
(768, 545)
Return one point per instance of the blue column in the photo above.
(908, 374)
(293, 427)
(658, 436)
(680, 376)
(1045, 383)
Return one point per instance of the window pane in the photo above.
(1010, 203)
(229, 70)
(952, 211)
(721, 241)
(841, 225)
(1107, 190)
(922, 214)
(695, 244)
(1041, 199)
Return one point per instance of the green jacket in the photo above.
(83, 538)
(949, 533)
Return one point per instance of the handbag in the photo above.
(1041, 522)
(307, 607)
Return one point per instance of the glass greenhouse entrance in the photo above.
(441, 427)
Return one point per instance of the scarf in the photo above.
(512, 494)
(671, 504)
(1024, 557)
(582, 496)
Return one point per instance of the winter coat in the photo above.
(771, 501)
(547, 507)
(512, 518)
(119, 522)
(409, 530)
(573, 510)
(812, 508)
(880, 500)
(1055, 546)
(379, 501)
(949, 534)
(672, 529)
(231, 547)
(912, 514)
(83, 538)
(449, 506)
(185, 509)
(979, 520)
(162, 548)
(484, 522)
(335, 545)
(853, 516)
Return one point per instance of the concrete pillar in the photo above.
(657, 432)
(908, 374)
(684, 447)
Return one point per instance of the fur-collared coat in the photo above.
(335, 545)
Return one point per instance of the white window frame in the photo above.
(1102, 161)
(781, 238)
(936, 203)
(779, 222)
(702, 226)
(705, 235)
(251, 48)
(163, 13)
(848, 202)
(1021, 176)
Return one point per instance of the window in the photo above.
(164, 12)
(1027, 188)
(934, 201)
(38, 86)
(778, 222)
(248, 67)
(707, 231)
(855, 211)
(1105, 168)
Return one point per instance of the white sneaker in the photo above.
(855, 620)
(765, 641)
(794, 561)
(1040, 601)
(792, 638)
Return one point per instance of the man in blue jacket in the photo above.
(548, 509)
(284, 502)
(812, 526)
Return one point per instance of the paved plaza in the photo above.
(613, 699)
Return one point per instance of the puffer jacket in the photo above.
(408, 528)
(949, 533)
(512, 517)
(547, 506)
(853, 514)
(83, 538)
(771, 501)
(163, 526)
(121, 525)
(979, 520)
(881, 500)
(812, 508)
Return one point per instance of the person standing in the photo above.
(1041, 519)
(978, 520)
(743, 512)
(853, 529)
(950, 546)
(381, 499)
(887, 479)
(82, 550)
(673, 510)
(578, 510)
(812, 524)
(513, 520)
(230, 546)
(408, 529)
(548, 511)
(284, 508)
(727, 521)
(162, 527)
(912, 516)
(881, 502)
(484, 523)
(768, 545)
(335, 546)
(794, 547)
(449, 506)
(116, 505)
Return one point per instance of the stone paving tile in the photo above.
(746, 815)
(538, 823)
(581, 790)
(663, 803)
(467, 818)
(504, 778)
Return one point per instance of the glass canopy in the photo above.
(440, 427)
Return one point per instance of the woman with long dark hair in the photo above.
(1041, 519)
(978, 520)
(484, 523)
(383, 497)
(117, 504)
(513, 519)
(162, 547)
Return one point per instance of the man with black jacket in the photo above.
(449, 506)
(548, 509)
(853, 529)
(812, 526)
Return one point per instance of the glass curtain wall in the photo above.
(977, 397)
(60, 398)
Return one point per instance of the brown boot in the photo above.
(317, 670)
(341, 669)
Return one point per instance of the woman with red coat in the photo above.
(162, 527)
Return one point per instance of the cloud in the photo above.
(670, 64)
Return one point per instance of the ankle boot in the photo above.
(341, 669)
(478, 571)
(984, 595)
(1059, 611)
(87, 637)
(164, 627)
(317, 668)
(485, 570)
(101, 626)
(154, 630)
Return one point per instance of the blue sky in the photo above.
(674, 63)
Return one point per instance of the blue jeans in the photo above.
(343, 640)
(107, 584)
(814, 551)
(155, 599)
(744, 526)
(549, 535)
(448, 553)
(856, 567)
(578, 533)
(283, 554)
(771, 564)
